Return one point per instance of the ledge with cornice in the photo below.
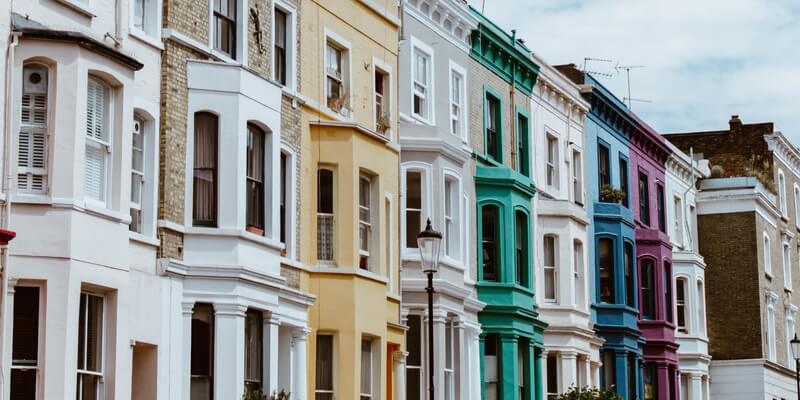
(503, 54)
(450, 18)
(553, 83)
(782, 148)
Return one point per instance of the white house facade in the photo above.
(562, 273)
(436, 184)
(688, 273)
(81, 115)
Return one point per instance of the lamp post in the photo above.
(795, 345)
(429, 243)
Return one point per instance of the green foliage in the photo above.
(612, 194)
(575, 393)
(259, 395)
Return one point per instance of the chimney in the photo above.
(735, 123)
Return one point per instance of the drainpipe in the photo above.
(5, 213)
(513, 111)
(685, 196)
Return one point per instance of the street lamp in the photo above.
(795, 345)
(429, 243)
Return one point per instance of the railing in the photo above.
(325, 237)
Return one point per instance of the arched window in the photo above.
(98, 150)
(630, 276)
(256, 138)
(782, 192)
(681, 286)
(325, 213)
(606, 257)
(490, 246)
(32, 140)
(550, 249)
(414, 201)
(521, 248)
(648, 289)
(204, 189)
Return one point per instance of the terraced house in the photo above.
(81, 122)
(351, 158)
(753, 186)
(562, 222)
(436, 181)
(503, 76)
(614, 271)
(234, 310)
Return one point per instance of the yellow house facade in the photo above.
(350, 196)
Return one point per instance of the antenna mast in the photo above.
(628, 69)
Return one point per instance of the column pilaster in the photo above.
(270, 346)
(186, 355)
(399, 367)
(229, 350)
(299, 359)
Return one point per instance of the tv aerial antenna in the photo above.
(627, 69)
(586, 60)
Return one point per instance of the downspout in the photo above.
(513, 110)
(685, 196)
(6, 211)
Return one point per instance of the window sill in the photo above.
(224, 57)
(420, 119)
(144, 239)
(488, 160)
(235, 233)
(84, 9)
(331, 269)
(787, 289)
(145, 38)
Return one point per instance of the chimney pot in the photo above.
(735, 122)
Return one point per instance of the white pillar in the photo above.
(587, 372)
(186, 369)
(270, 344)
(596, 374)
(543, 387)
(695, 389)
(462, 362)
(229, 351)
(399, 367)
(569, 370)
(299, 383)
(475, 362)
(439, 326)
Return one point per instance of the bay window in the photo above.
(32, 143)
(668, 291)
(662, 213)
(606, 257)
(550, 269)
(204, 183)
(25, 343)
(580, 289)
(202, 352)
(630, 276)
(522, 368)
(255, 179)
(323, 385)
(680, 305)
(490, 249)
(648, 289)
(413, 213)
(253, 354)
(91, 346)
(521, 248)
(608, 370)
(701, 308)
(365, 221)
(451, 212)
(325, 215)
(98, 147)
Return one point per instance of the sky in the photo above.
(704, 60)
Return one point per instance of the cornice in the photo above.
(784, 150)
(551, 80)
(451, 18)
(570, 106)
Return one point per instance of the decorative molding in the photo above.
(454, 23)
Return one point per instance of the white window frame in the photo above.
(457, 70)
(429, 115)
(787, 266)
(767, 255)
(373, 361)
(290, 201)
(381, 66)
(345, 49)
(577, 176)
(677, 220)
(782, 193)
(771, 300)
(331, 215)
(370, 225)
(242, 24)
(685, 304)
(451, 223)
(33, 130)
(102, 345)
(150, 32)
(551, 165)
(291, 42)
(700, 302)
(425, 171)
(137, 206)
(578, 268)
(107, 145)
(553, 268)
(450, 357)
(791, 331)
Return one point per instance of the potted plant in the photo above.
(258, 394)
(611, 194)
(337, 104)
(575, 393)
(383, 123)
(255, 230)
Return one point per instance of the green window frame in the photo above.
(492, 124)
(523, 163)
(521, 246)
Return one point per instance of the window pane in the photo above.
(489, 242)
(255, 177)
(520, 248)
(205, 170)
(253, 341)
(325, 189)
(281, 19)
(648, 289)
(25, 341)
(604, 165)
(202, 347)
(606, 255)
(623, 179)
(644, 199)
(283, 198)
(366, 367)
(324, 362)
(413, 207)
(630, 277)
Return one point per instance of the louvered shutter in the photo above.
(97, 146)
(32, 140)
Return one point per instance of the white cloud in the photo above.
(705, 60)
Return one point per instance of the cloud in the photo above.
(704, 60)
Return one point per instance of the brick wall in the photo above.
(733, 297)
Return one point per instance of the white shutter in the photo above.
(97, 143)
(32, 139)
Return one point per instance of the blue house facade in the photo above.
(615, 287)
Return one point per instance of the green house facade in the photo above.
(502, 74)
